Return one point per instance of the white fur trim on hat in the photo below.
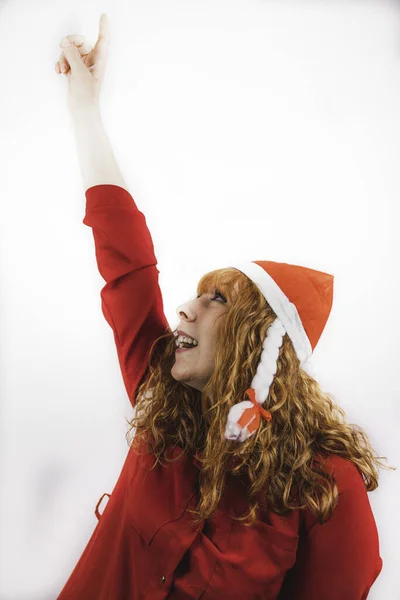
(285, 310)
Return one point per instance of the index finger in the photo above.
(103, 38)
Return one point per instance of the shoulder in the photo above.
(346, 474)
(352, 500)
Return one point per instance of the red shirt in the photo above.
(143, 545)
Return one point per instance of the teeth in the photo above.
(188, 340)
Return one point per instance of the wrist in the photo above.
(89, 111)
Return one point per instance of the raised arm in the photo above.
(96, 157)
(84, 68)
(131, 299)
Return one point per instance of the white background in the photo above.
(245, 130)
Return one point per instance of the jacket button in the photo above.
(163, 578)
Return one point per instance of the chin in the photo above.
(176, 374)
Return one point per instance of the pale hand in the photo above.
(84, 67)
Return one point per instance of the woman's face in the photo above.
(200, 319)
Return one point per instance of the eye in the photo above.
(216, 294)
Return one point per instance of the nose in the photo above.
(185, 309)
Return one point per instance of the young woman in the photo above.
(243, 479)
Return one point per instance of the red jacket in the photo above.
(143, 546)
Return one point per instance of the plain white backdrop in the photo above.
(245, 130)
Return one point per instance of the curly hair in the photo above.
(282, 459)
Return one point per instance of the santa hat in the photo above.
(302, 300)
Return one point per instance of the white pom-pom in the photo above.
(233, 430)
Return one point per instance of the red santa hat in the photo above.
(302, 300)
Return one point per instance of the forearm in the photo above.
(96, 157)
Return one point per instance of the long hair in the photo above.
(279, 459)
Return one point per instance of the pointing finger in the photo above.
(103, 38)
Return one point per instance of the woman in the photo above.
(243, 479)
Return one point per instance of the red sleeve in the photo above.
(132, 302)
(340, 559)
